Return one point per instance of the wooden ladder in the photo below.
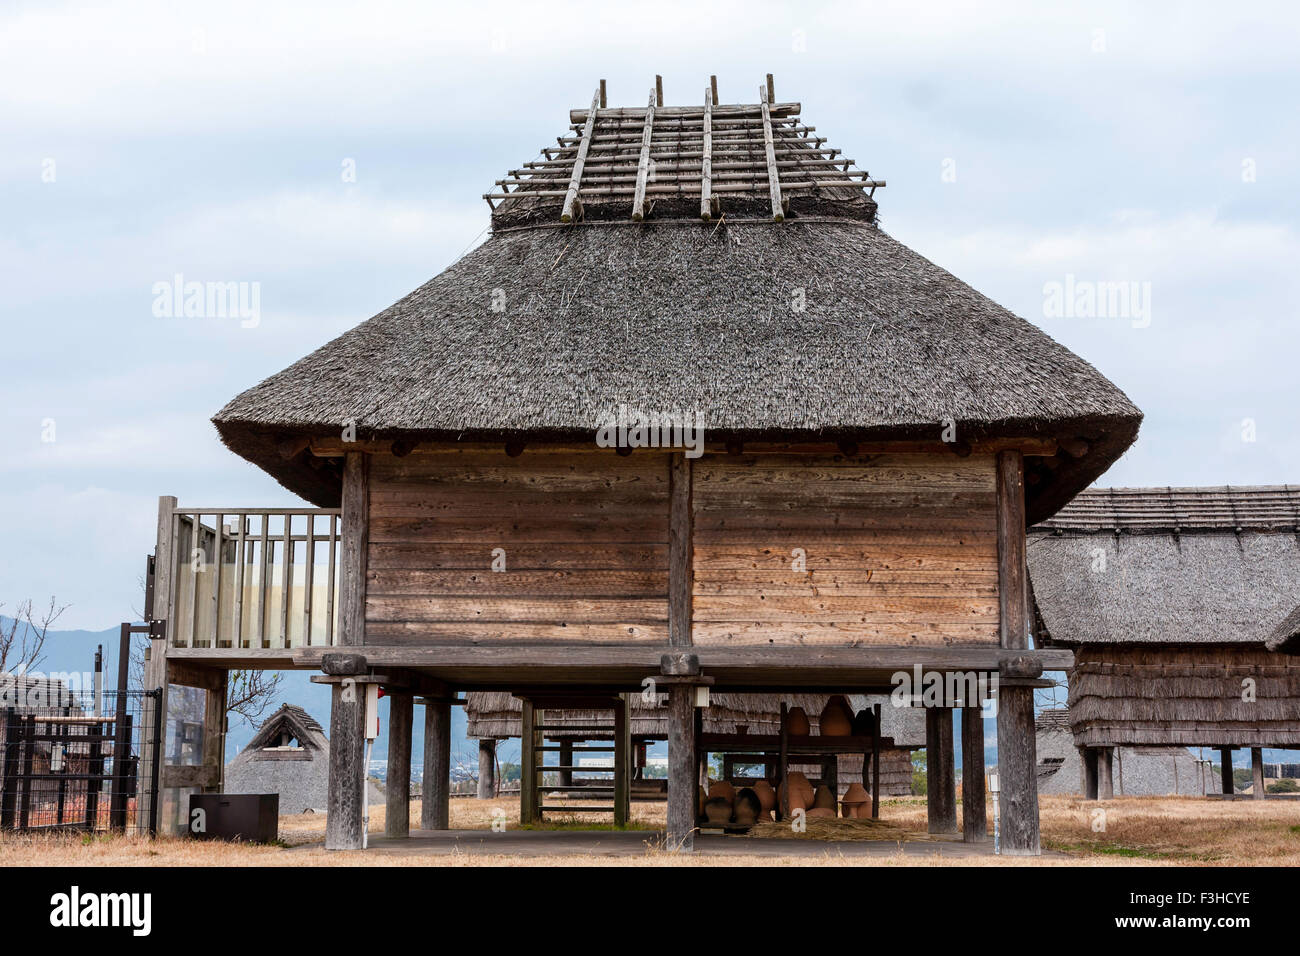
(535, 745)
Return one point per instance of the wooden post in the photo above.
(1225, 771)
(529, 812)
(875, 763)
(345, 805)
(401, 713)
(1088, 755)
(356, 536)
(487, 768)
(682, 785)
(974, 818)
(622, 762)
(155, 666)
(1106, 773)
(1017, 750)
(941, 781)
(435, 805)
(566, 760)
(1257, 773)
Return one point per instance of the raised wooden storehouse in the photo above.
(688, 414)
(1167, 596)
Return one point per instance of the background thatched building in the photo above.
(1166, 596)
(1141, 771)
(289, 755)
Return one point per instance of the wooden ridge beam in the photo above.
(773, 174)
(643, 165)
(572, 205)
(706, 162)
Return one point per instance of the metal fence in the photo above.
(73, 762)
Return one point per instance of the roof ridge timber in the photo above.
(701, 160)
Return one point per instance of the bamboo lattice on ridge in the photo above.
(710, 153)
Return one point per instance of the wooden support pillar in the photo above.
(397, 802)
(435, 805)
(345, 800)
(530, 773)
(1106, 773)
(1225, 771)
(682, 784)
(487, 768)
(622, 762)
(566, 760)
(1017, 750)
(974, 818)
(941, 774)
(1088, 756)
(1257, 773)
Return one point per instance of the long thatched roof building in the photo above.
(1167, 597)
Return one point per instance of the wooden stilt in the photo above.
(1088, 755)
(347, 778)
(1225, 771)
(681, 767)
(435, 806)
(622, 763)
(1257, 773)
(397, 817)
(566, 760)
(941, 783)
(974, 817)
(1106, 773)
(487, 768)
(529, 740)
(1017, 749)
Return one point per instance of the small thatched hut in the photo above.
(289, 755)
(1167, 596)
(1140, 771)
(497, 716)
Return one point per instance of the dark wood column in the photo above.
(682, 783)
(1225, 771)
(487, 768)
(940, 771)
(530, 738)
(345, 799)
(1106, 773)
(1258, 790)
(974, 816)
(622, 761)
(1017, 751)
(354, 546)
(566, 760)
(1088, 755)
(434, 807)
(401, 713)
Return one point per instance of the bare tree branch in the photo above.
(23, 638)
(250, 693)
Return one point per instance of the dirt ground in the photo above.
(1128, 830)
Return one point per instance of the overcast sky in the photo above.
(1021, 144)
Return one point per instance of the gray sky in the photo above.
(1153, 144)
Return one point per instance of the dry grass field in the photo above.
(1133, 830)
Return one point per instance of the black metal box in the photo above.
(254, 817)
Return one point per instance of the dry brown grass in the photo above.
(1138, 830)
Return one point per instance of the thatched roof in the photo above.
(1167, 565)
(1286, 636)
(498, 715)
(293, 721)
(547, 329)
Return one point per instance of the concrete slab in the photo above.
(525, 843)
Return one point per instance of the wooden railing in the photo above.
(254, 577)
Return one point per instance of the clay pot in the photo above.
(721, 788)
(766, 795)
(796, 722)
(864, 724)
(717, 811)
(824, 799)
(747, 808)
(855, 798)
(837, 718)
(800, 791)
(819, 813)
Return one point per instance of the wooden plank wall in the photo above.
(585, 540)
(901, 549)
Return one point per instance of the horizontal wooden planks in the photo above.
(894, 549)
(546, 547)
